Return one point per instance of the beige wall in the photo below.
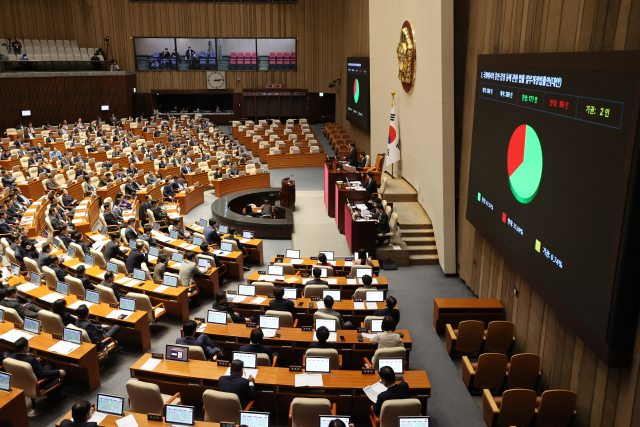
(426, 114)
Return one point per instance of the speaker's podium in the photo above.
(288, 194)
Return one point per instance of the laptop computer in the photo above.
(203, 223)
(15, 270)
(325, 420)
(132, 244)
(226, 247)
(333, 293)
(179, 415)
(35, 278)
(109, 404)
(318, 365)
(246, 234)
(247, 290)
(374, 296)
(395, 363)
(71, 253)
(112, 267)
(254, 419)
(173, 235)
(139, 274)
(92, 296)
(127, 304)
(290, 293)
(360, 272)
(56, 242)
(154, 251)
(5, 381)
(156, 226)
(269, 325)
(204, 263)
(177, 257)
(197, 240)
(330, 324)
(223, 229)
(329, 255)
(32, 326)
(217, 317)
(292, 254)
(413, 421)
(103, 231)
(72, 335)
(62, 288)
(171, 281)
(89, 260)
(276, 270)
(177, 353)
(250, 362)
(376, 325)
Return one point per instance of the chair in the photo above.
(75, 285)
(11, 315)
(367, 321)
(50, 276)
(383, 187)
(122, 267)
(523, 372)
(335, 362)
(79, 251)
(383, 353)
(287, 268)
(499, 337)
(22, 377)
(555, 408)
(376, 169)
(489, 372)
(219, 406)
(144, 303)
(324, 267)
(467, 339)
(98, 258)
(51, 322)
(513, 408)
(286, 318)
(263, 360)
(32, 266)
(393, 224)
(392, 409)
(305, 411)
(264, 288)
(145, 398)
(106, 295)
(314, 291)
(319, 315)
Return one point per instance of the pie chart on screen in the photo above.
(356, 90)
(524, 163)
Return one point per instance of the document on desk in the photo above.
(26, 287)
(183, 245)
(97, 417)
(101, 275)
(292, 279)
(77, 304)
(14, 334)
(259, 300)
(161, 288)
(245, 240)
(128, 421)
(123, 280)
(63, 347)
(75, 267)
(132, 282)
(358, 306)
(352, 281)
(269, 333)
(348, 263)
(372, 391)
(150, 364)
(77, 221)
(52, 297)
(246, 372)
(239, 298)
(97, 246)
(267, 278)
(368, 336)
(309, 380)
(192, 247)
(372, 306)
(116, 313)
(296, 261)
(332, 281)
(320, 304)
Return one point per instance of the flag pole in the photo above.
(393, 94)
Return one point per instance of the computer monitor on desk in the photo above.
(333, 293)
(177, 353)
(5, 381)
(112, 405)
(325, 420)
(226, 247)
(292, 254)
(250, 359)
(395, 363)
(247, 290)
(179, 415)
(361, 272)
(254, 419)
(376, 325)
(217, 317)
(223, 229)
(318, 365)
(413, 421)
(374, 296)
(328, 254)
(275, 270)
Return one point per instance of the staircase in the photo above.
(421, 242)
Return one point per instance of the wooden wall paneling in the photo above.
(568, 24)
(548, 348)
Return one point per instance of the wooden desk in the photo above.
(155, 192)
(246, 182)
(75, 189)
(175, 299)
(256, 252)
(456, 310)
(274, 387)
(330, 178)
(134, 330)
(302, 160)
(111, 191)
(88, 220)
(341, 196)
(341, 266)
(13, 408)
(190, 200)
(169, 171)
(32, 190)
(200, 177)
(81, 364)
(360, 233)
(141, 419)
(293, 343)
(346, 289)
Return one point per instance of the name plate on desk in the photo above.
(154, 417)
(349, 276)
(306, 329)
(314, 258)
(80, 297)
(293, 368)
(271, 295)
(223, 362)
(56, 336)
(315, 298)
(357, 300)
(112, 305)
(368, 371)
(348, 259)
(262, 272)
(157, 356)
(362, 330)
(232, 293)
(227, 424)
(304, 274)
(250, 325)
(280, 256)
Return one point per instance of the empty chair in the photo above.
(220, 406)
(523, 371)
(144, 303)
(335, 359)
(392, 409)
(556, 408)
(287, 268)
(489, 372)
(467, 339)
(311, 291)
(305, 411)
(51, 322)
(75, 285)
(23, 377)
(513, 408)
(499, 337)
(383, 353)
(319, 315)
(145, 398)
(264, 288)
(286, 318)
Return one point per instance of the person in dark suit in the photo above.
(11, 301)
(363, 161)
(394, 391)
(8, 180)
(322, 333)
(255, 346)
(109, 217)
(148, 236)
(177, 184)
(54, 264)
(58, 308)
(281, 304)
(77, 239)
(235, 383)
(97, 333)
(130, 188)
(232, 236)
(205, 251)
(389, 309)
(81, 412)
(317, 272)
(112, 250)
(53, 376)
(136, 257)
(211, 233)
(130, 232)
(383, 222)
(5, 228)
(371, 185)
(221, 304)
(109, 282)
(167, 190)
(352, 157)
(203, 341)
(80, 275)
(63, 236)
(185, 169)
(17, 248)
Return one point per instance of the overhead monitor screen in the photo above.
(551, 183)
(358, 91)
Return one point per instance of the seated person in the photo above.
(322, 260)
(160, 268)
(222, 304)
(203, 341)
(389, 309)
(388, 337)
(108, 282)
(97, 333)
(255, 346)
(58, 308)
(363, 259)
(11, 301)
(366, 281)
(317, 272)
(280, 303)
(328, 309)
(53, 376)
(205, 251)
(81, 412)
(322, 333)
(235, 383)
(136, 257)
(393, 391)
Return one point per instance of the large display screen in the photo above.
(358, 91)
(552, 153)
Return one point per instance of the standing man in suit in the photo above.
(11, 301)
(383, 222)
(167, 190)
(203, 341)
(137, 256)
(81, 412)
(97, 333)
(279, 303)
(352, 158)
(53, 376)
(394, 391)
(235, 383)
